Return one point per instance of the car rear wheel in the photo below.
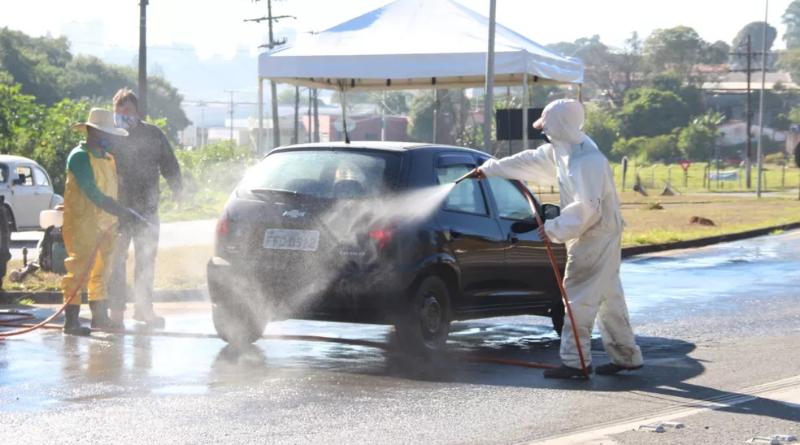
(238, 323)
(425, 323)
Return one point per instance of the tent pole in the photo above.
(260, 134)
(276, 125)
(343, 97)
(383, 117)
(525, 104)
(488, 98)
(435, 113)
(580, 92)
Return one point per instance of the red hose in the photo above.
(557, 272)
(84, 277)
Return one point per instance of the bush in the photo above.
(661, 148)
(697, 142)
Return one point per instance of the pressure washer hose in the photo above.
(557, 272)
(84, 278)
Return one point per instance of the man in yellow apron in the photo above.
(90, 218)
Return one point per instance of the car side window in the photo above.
(40, 178)
(466, 196)
(26, 174)
(511, 203)
(3, 173)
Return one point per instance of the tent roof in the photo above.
(411, 44)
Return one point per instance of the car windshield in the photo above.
(329, 174)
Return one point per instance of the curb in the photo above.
(702, 242)
(54, 297)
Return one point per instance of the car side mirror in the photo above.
(550, 211)
(524, 226)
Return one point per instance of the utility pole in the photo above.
(231, 114)
(276, 131)
(488, 97)
(142, 106)
(760, 152)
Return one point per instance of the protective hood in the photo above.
(562, 121)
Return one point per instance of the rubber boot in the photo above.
(100, 318)
(147, 316)
(72, 322)
(116, 320)
(567, 373)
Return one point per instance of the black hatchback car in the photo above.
(369, 232)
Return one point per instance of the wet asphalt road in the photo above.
(720, 323)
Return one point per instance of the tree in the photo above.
(716, 53)
(601, 125)
(449, 116)
(45, 69)
(651, 112)
(791, 18)
(691, 95)
(676, 49)
(756, 32)
(698, 139)
(393, 102)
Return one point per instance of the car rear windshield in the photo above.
(330, 174)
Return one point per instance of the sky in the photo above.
(215, 28)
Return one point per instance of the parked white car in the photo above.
(27, 190)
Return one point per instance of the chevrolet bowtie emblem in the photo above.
(294, 214)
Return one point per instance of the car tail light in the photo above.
(382, 237)
(223, 227)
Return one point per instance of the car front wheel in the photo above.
(425, 322)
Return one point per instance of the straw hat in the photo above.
(101, 119)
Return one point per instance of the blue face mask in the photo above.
(104, 143)
(125, 122)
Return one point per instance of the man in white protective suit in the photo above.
(591, 226)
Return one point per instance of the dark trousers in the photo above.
(145, 246)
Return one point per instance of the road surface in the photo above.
(719, 328)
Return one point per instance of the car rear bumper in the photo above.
(359, 296)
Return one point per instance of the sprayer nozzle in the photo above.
(474, 173)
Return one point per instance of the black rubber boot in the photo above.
(100, 318)
(567, 373)
(613, 368)
(72, 322)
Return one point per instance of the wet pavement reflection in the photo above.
(46, 369)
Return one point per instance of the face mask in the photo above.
(104, 143)
(125, 122)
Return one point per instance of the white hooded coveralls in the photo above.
(591, 226)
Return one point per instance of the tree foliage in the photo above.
(661, 148)
(652, 112)
(450, 121)
(602, 127)
(676, 49)
(45, 69)
(697, 140)
(791, 18)
(756, 32)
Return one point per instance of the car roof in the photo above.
(378, 145)
(12, 158)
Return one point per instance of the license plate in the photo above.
(286, 239)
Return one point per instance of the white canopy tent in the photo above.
(415, 44)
